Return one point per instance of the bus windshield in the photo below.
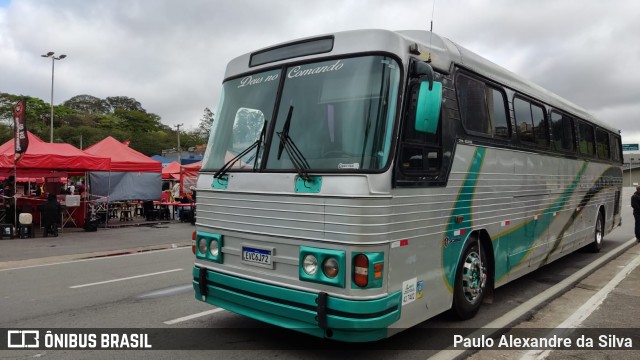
(339, 114)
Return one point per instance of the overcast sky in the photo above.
(171, 55)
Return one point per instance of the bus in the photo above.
(358, 183)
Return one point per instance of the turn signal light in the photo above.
(377, 270)
(361, 270)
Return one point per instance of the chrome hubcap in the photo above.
(599, 231)
(473, 277)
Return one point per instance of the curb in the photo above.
(9, 265)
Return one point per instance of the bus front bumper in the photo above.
(316, 314)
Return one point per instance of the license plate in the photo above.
(256, 256)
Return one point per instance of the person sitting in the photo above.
(51, 215)
(185, 213)
(150, 212)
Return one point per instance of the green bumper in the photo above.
(313, 313)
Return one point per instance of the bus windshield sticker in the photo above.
(389, 64)
(297, 71)
(354, 166)
(420, 289)
(250, 80)
(409, 291)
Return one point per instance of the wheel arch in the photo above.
(487, 246)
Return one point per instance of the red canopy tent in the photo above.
(50, 160)
(189, 176)
(123, 158)
(171, 171)
(133, 175)
(42, 156)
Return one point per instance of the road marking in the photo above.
(167, 292)
(512, 316)
(122, 279)
(193, 316)
(576, 319)
(97, 258)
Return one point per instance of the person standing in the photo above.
(176, 192)
(51, 216)
(9, 200)
(635, 204)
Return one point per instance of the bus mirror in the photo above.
(420, 69)
(428, 107)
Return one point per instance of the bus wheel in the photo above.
(598, 234)
(471, 281)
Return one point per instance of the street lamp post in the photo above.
(53, 61)
(179, 150)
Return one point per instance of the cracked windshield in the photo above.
(333, 116)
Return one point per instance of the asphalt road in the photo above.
(152, 289)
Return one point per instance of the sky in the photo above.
(171, 55)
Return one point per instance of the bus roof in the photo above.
(444, 55)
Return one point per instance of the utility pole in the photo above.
(179, 150)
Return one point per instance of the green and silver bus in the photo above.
(356, 184)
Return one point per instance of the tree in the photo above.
(206, 121)
(109, 121)
(125, 103)
(138, 121)
(152, 142)
(7, 103)
(88, 104)
(92, 119)
(200, 135)
(37, 116)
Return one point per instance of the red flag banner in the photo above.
(20, 128)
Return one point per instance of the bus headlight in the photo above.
(202, 245)
(310, 264)
(214, 249)
(330, 267)
(209, 246)
(323, 266)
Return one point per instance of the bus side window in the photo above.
(585, 146)
(482, 108)
(531, 122)
(522, 110)
(615, 148)
(562, 127)
(540, 126)
(602, 144)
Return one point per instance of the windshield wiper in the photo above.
(295, 155)
(225, 168)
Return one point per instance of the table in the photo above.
(174, 207)
(70, 215)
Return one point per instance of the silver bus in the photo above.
(358, 183)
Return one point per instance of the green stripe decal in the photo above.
(514, 246)
(506, 245)
(457, 232)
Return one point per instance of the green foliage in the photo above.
(124, 103)
(87, 104)
(90, 119)
(204, 127)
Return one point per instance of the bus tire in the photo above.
(598, 234)
(471, 281)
